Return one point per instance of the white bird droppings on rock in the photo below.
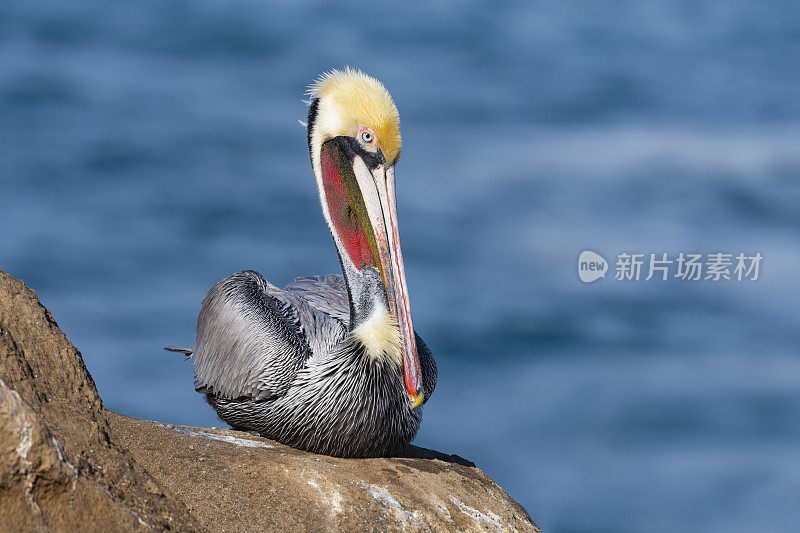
(488, 518)
(393, 506)
(331, 497)
(224, 438)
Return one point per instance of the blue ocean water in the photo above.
(147, 149)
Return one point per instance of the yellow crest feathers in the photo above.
(350, 99)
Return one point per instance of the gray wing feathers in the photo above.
(327, 294)
(185, 351)
(253, 337)
(324, 310)
(248, 340)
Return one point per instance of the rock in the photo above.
(240, 482)
(39, 489)
(67, 464)
(47, 373)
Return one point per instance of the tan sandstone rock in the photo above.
(68, 464)
(39, 489)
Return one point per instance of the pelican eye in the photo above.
(366, 137)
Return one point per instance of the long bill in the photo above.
(362, 210)
(378, 189)
(399, 290)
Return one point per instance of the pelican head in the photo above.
(354, 143)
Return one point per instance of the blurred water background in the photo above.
(147, 149)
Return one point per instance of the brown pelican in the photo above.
(330, 364)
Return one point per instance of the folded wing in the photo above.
(253, 337)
